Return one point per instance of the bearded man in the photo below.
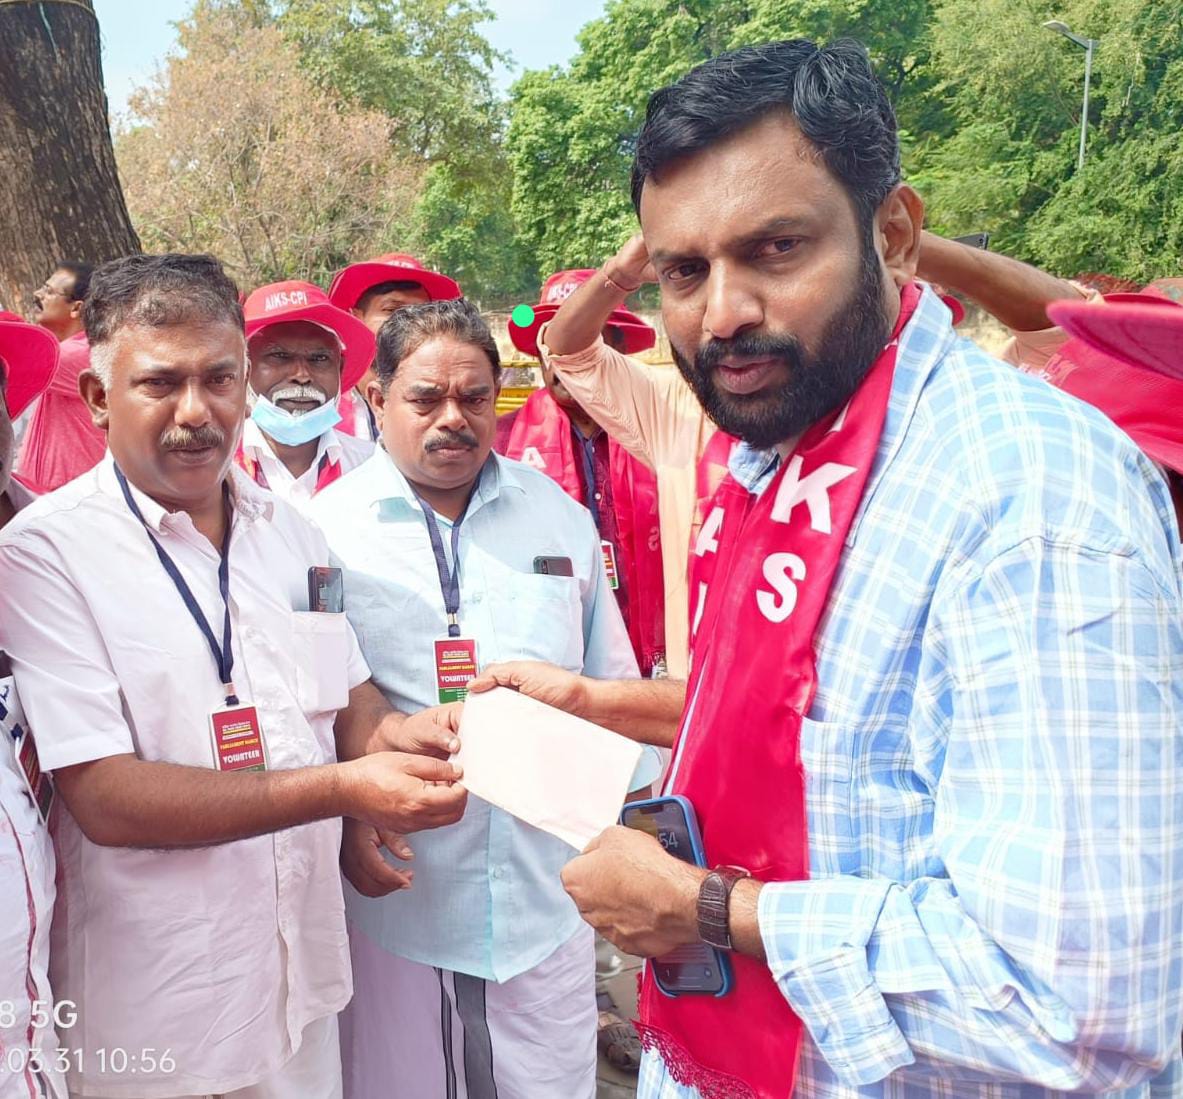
(932, 726)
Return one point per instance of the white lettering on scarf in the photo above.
(708, 537)
(780, 570)
(813, 490)
(533, 459)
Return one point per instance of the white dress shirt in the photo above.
(349, 451)
(27, 1052)
(223, 954)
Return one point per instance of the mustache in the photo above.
(198, 438)
(749, 345)
(451, 439)
(299, 393)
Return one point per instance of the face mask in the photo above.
(291, 430)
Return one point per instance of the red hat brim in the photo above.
(357, 338)
(1146, 333)
(352, 282)
(30, 353)
(638, 336)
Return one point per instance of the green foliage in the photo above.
(469, 232)
(988, 103)
(424, 63)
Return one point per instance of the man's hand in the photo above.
(639, 898)
(403, 793)
(630, 267)
(550, 684)
(430, 732)
(365, 867)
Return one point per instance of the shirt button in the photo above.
(599, 496)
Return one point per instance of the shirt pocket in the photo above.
(826, 750)
(320, 644)
(538, 618)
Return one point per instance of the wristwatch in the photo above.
(714, 896)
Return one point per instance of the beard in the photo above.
(819, 382)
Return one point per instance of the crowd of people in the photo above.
(903, 623)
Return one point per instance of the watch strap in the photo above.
(714, 896)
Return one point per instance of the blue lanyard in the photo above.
(449, 581)
(587, 449)
(223, 654)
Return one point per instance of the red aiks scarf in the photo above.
(326, 472)
(761, 573)
(541, 437)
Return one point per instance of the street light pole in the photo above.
(1084, 114)
(1088, 45)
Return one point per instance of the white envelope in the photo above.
(546, 767)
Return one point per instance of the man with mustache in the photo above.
(304, 352)
(61, 441)
(932, 728)
(481, 976)
(190, 708)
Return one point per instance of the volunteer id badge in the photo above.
(455, 667)
(238, 740)
(38, 784)
(609, 552)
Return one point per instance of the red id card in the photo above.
(609, 552)
(238, 740)
(455, 667)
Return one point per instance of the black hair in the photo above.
(81, 273)
(385, 288)
(831, 92)
(159, 291)
(411, 327)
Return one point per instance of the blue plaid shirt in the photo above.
(994, 757)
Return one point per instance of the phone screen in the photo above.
(695, 967)
(326, 590)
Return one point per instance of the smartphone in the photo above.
(326, 589)
(976, 240)
(553, 566)
(696, 969)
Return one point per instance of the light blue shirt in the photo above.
(994, 758)
(487, 898)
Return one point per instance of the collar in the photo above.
(390, 491)
(924, 342)
(249, 501)
(254, 439)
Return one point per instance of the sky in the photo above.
(138, 33)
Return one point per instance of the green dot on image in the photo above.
(522, 316)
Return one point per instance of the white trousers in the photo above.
(416, 1032)
(314, 1072)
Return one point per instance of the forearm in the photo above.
(645, 710)
(1014, 292)
(368, 724)
(582, 317)
(122, 801)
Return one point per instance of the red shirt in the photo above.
(62, 442)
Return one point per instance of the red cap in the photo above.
(30, 355)
(351, 283)
(638, 336)
(1125, 357)
(279, 302)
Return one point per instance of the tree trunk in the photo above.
(60, 197)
